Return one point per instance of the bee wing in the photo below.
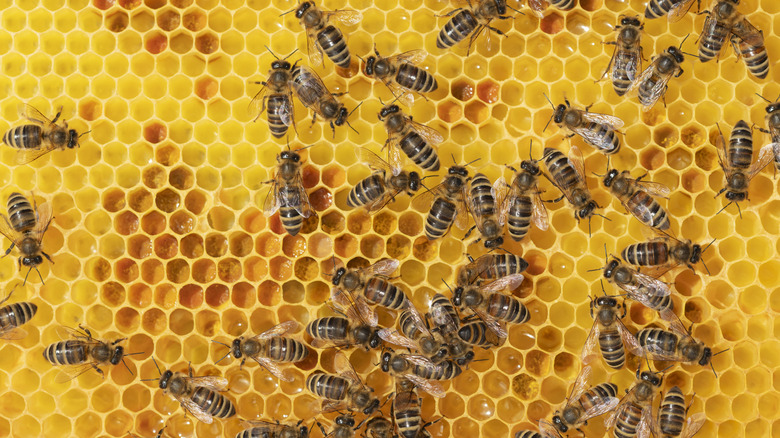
(548, 430)
(493, 325)
(692, 426)
(679, 10)
(404, 95)
(424, 200)
(710, 26)
(347, 17)
(653, 283)
(590, 349)
(646, 423)
(70, 372)
(499, 192)
(461, 210)
(315, 55)
(410, 57)
(508, 282)
(24, 156)
(246, 424)
(214, 383)
(393, 337)
(748, 33)
(309, 81)
(12, 334)
(194, 409)
(272, 201)
(629, 340)
(604, 119)
(345, 369)
(433, 388)
(720, 146)
(32, 114)
(278, 330)
(575, 159)
(430, 135)
(273, 368)
(609, 422)
(765, 156)
(419, 322)
(580, 384)
(256, 105)
(383, 267)
(66, 333)
(302, 204)
(354, 307)
(42, 220)
(655, 188)
(286, 111)
(443, 318)
(539, 212)
(7, 230)
(376, 162)
(655, 352)
(659, 85)
(600, 407)
(333, 405)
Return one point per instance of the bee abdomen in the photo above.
(598, 393)
(658, 8)
(366, 191)
(519, 217)
(507, 308)
(420, 152)
(439, 218)
(474, 333)
(330, 328)
(333, 44)
(457, 29)
(609, 141)
(482, 201)
(275, 123)
(611, 345)
(560, 168)
(528, 434)
(628, 423)
(327, 386)
(506, 264)
(384, 293)
(24, 137)
(16, 314)
(20, 213)
(710, 45)
(648, 211)
(646, 253)
(755, 57)
(740, 152)
(671, 413)
(66, 353)
(657, 339)
(292, 221)
(416, 79)
(564, 5)
(621, 77)
(213, 403)
(283, 349)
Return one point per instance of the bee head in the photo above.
(281, 65)
(630, 21)
(609, 271)
(501, 7)
(773, 107)
(289, 156)
(235, 348)
(587, 210)
(303, 432)
(345, 420)
(560, 110)
(706, 356)
(610, 177)
(736, 196)
(337, 277)
(370, 65)
(32, 261)
(385, 364)
(494, 243)
(458, 170)
(695, 254)
(414, 181)
(342, 117)
(531, 167)
(457, 296)
(371, 406)
(73, 139)
(465, 359)
(119, 352)
(389, 109)
(606, 301)
(651, 378)
(165, 378)
(302, 9)
(678, 55)
(559, 424)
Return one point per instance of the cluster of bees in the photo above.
(441, 342)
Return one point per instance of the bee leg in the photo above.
(47, 257)
(8, 251)
(679, 73)
(57, 116)
(641, 176)
(102, 374)
(468, 233)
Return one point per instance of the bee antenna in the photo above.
(724, 207)
(445, 283)
(157, 366)
(472, 162)
(721, 351)
(125, 364)
(531, 149)
(285, 13)
(291, 54)
(594, 270)
(664, 370)
(713, 369)
(739, 210)
(454, 161)
(84, 133)
(220, 343)
(223, 357)
(683, 41)
(548, 99)
(769, 101)
(274, 54)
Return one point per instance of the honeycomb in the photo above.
(158, 234)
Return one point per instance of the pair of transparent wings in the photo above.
(423, 363)
(294, 197)
(43, 217)
(355, 307)
(345, 370)
(508, 282)
(394, 337)
(213, 383)
(278, 330)
(679, 9)
(259, 104)
(766, 155)
(394, 152)
(28, 155)
(591, 350)
(659, 81)
(311, 90)
(538, 211)
(575, 160)
(346, 17)
(593, 136)
(654, 350)
(401, 93)
(643, 287)
(377, 164)
(70, 372)
(598, 405)
(425, 200)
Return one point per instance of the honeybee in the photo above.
(382, 186)
(313, 94)
(484, 202)
(735, 161)
(407, 411)
(269, 349)
(379, 427)
(609, 333)
(672, 413)
(267, 429)
(372, 284)
(199, 396)
(13, 316)
(415, 335)
(492, 306)
(752, 51)
(597, 130)
(720, 23)
(415, 140)
(324, 37)
(355, 326)
(675, 345)
(651, 292)
(523, 204)
(471, 21)
(446, 203)
(80, 352)
(582, 404)
(673, 9)
(490, 267)
(568, 175)
(287, 193)
(447, 322)
(539, 6)
(276, 97)
(343, 427)
(627, 59)
(401, 74)
(420, 370)
(652, 83)
(32, 141)
(343, 391)
(664, 251)
(25, 226)
(633, 416)
(637, 197)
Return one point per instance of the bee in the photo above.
(401, 74)
(446, 203)
(633, 416)
(287, 193)
(664, 251)
(627, 59)
(382, 186)
(42, 136)
(582, 405)
(80, 352)
(597, 130)
(609, 333)
(675, 345)
(415, 335)
(484, 203)
(472, 21)
(539, 6)
(313, 94)
(199, 396)
(415, 140)
(267, 429)
(343, 427)
(276, 96)
(407, 411)
(671, 416)
(269, 349)
(752, 51)
(13, 316)
(356, 324)
(490, 267)
(735, 161)
(637, 197)
(523, 204)
(324, 37)
(372, 284)
(652, 83)
(25, 226)
(568, 175)
(673, 9)
(379, 427)
(492, 306)
(720, 23)
(343, 391)
(447, 322)
(420, 370)
(651, 292)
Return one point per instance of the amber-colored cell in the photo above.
(112, 294)
(156, 43)
(217, 295)
(167, 155)
(182, 222)
(168, 20)
(140, 295)
(126, 270)
(153, 176)
(207, 43)
(243, 295)
(139, 200)
(152, 271)
(153, 321)
(449, 111)
(113, 200)
(166, 246)
(178, 271)
(195, 201)
(229, 270)
(333, 222)
(462, 90)
(191, 296)
(139, 247)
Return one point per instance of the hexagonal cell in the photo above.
(462, 90)
(155, 43)
(168, 20)
(206, 43)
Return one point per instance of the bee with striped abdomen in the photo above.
(539, 6)
(652, 83)
(490, 266)
(651, 292)
(721, 22)
(472, 21)
(420, 370)
(416, 141)
(25, 226)
(379, 427)
(342, 391)
(199, 396)
(582, 404)
(356, 325)
(324, 37)
(637, 197)
(597, 130)
(492, 306)
(633, 417)
(673, 9)
(735, 160)
(407, 411)
(382, 186)
(523, 204)
(568, 175)
(627, 59)
(447, 323)
(773, 125)
(267, 429)
(42, 136)
(372, 284)
(401, 74)
(287, 193)
(269, 349)
(13, 316)
(446, 203)
(415, 335)
(313, 94)
(276, 97)
(79, 352)
(609, 333)
(664, 251)
(671, 417)
(675, 345)
(485, 203)
(753, 53)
